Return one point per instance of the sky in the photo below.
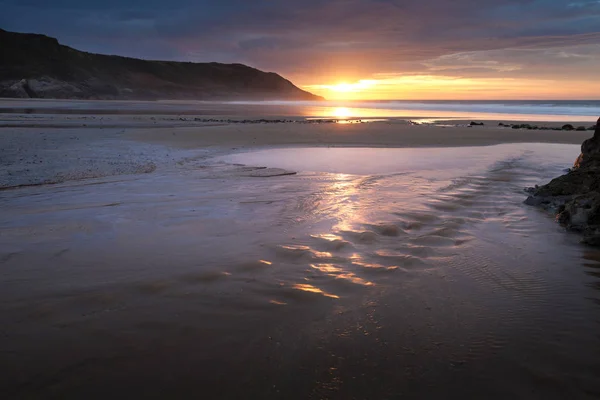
(350, 49)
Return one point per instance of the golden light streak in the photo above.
(327, 268)
(351, 87)
(327, 236)
(312, 289)
(445, 87)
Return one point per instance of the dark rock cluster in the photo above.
(566, 127)
(575, 197)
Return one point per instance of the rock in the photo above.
(590, 150)
(581, 128)
(581, 212)
(528, 126)
(473, 123)
(46, 87)
(592, 128)
(14, 89)
(575, 197)
(568, 127)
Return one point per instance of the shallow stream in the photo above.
(371, 274)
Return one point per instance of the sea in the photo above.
(499, 110)
(512, 110)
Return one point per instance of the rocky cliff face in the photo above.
(38, 66)
(575, 197)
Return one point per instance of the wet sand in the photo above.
(59, 148)
(200, 278)
(396, 133)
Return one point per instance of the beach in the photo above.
(160, 251)
(62, 144)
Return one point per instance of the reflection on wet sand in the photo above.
(312, 289)
(319, 285)
(352, 113)
(339, 273)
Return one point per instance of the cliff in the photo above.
(38, 66)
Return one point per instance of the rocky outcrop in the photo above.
(38, 66)
(18, 89)
(575, 197)
(42, 88)
(567, 127)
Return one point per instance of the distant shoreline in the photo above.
(297, 110)
(74, 142)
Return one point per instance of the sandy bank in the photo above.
(392, 134)
(41, 149)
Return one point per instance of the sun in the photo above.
(342, 112)
(343, 87)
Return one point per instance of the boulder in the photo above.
(568, 127)
(581, 212)
(575, 197)
(473, 123)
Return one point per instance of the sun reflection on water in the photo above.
(342, 112)
(339, 273)
(327, 268)
(277, 302)
(327, 236)
(313, 289)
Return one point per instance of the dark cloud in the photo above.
(328, 38)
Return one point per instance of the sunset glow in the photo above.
(342, 112)
(387, 87)
(355, 87)
(352, 50)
